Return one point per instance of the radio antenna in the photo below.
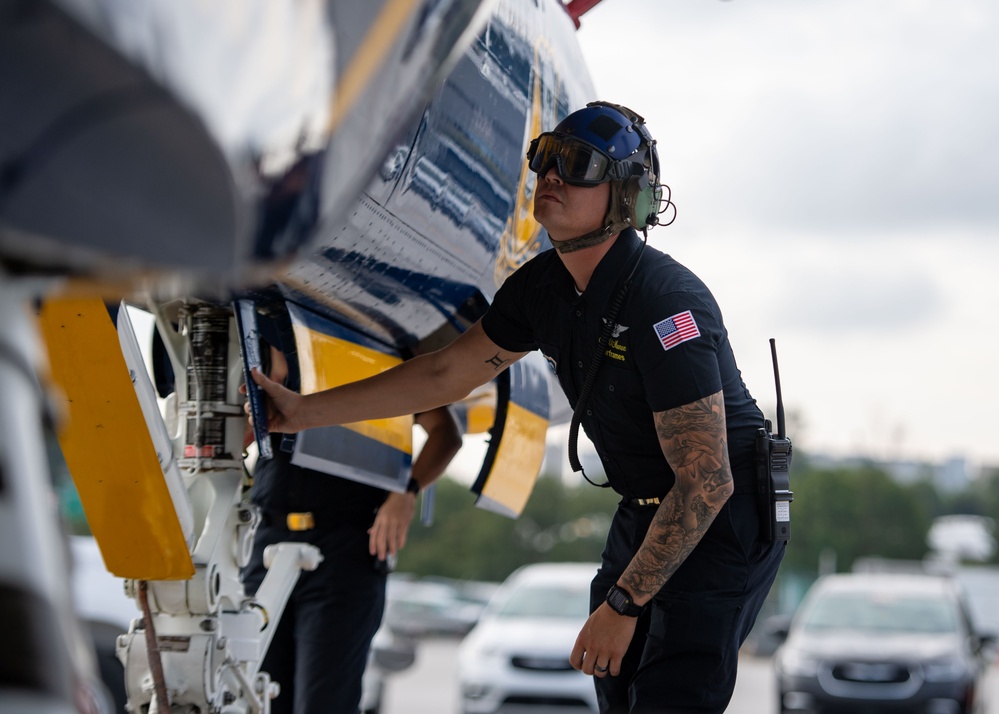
(780, 401)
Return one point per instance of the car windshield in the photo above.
(880, 613)
(547, 601)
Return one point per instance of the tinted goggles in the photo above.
(578, 163)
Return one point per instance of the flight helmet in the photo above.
(602, 143)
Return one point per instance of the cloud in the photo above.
(837, 116)
(854, 298)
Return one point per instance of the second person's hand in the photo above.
(387, 535)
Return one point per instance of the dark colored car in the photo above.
(873, 643)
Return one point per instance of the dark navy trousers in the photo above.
(684, 656)
(320, 648)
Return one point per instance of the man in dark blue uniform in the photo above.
(320, 648)
(687, 566)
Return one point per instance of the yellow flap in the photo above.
(517, 439)
(330, 360)
(108, 448)
(518, 460)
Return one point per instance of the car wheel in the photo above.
(780, 703)
(376, 706)
(112, 673)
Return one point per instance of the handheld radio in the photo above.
(773, 467)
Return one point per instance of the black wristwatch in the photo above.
(413, 487)
(620, 601)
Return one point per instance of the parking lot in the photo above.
(430, 686)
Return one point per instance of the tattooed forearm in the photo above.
(497, 362)
(677, 528)
(666, 545)
(693, 439)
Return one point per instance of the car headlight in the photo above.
(947, 669)
(794, 663)
(484, 657)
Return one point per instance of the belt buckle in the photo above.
(300, 521)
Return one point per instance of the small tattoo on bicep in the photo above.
(496, 361)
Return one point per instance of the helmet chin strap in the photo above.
(584, 241)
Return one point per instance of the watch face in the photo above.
(620, 602)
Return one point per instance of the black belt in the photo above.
(307, 520)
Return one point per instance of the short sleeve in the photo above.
(676, 349)
(506, 322)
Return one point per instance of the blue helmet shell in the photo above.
(604, 128)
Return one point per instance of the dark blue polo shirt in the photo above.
(669, 348)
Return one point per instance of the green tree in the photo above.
(854, 512)
(559, 523)
(985, 495)
(933, 501)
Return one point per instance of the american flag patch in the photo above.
(674, 330)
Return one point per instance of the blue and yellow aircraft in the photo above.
(345, 179)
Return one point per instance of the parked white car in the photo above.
(107, 612)
(517, 657)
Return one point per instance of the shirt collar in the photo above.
(609, 274)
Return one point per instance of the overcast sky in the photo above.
(835, 168)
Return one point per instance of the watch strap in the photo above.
(621, 602)
(413, 487)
